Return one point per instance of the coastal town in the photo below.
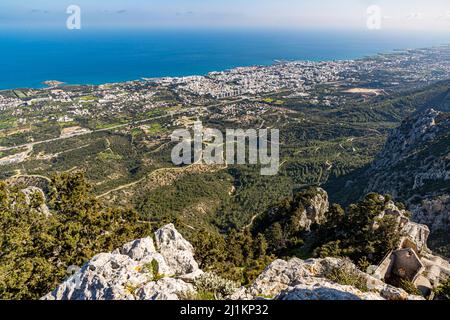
(32, 118)
(372, 75)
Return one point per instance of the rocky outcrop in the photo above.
(413, 260)
(413, 234)
(41, 182)
(434, 212)
(138, 270)
(310, 280)
(164, 268)
(177, 252)
(315, 211)
(437, 269)
(306, 209)
(325, 290)
(417, 131)
(164, 289)
(414, 167)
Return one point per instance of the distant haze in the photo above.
(433, 15)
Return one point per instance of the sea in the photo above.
(28, 58)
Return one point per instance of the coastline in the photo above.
(95, 58)
(51, 84)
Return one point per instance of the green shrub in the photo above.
(211, 284)
(348, 275)
(409, 287)
(443, 291)
(153, 268)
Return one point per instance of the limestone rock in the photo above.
(138, 249)
(417, 234)
(177, 252)
(128, 273)
(165, 289)
(298, 279)
(393, 293)
(437, 269)
(144, 251)
(325, 290)
(31, 192)
(315, 212)
(414, 235)
(433, 211)
(107, 276)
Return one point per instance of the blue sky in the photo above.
(419, 15)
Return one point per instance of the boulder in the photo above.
(135, 271)
(325, 290)
(418, 235)
(165, 289)
(107, 276)
(138, 249)
(315, 211)
(177, 252)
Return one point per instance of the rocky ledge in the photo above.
(314, 280)
(146, 269)
(163, 268)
